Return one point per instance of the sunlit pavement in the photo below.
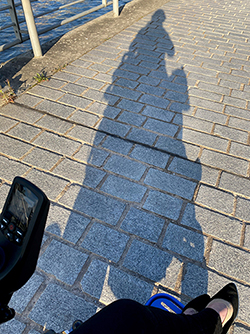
(142, 146)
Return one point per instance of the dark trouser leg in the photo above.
(129, 317)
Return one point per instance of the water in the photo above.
(41, 6)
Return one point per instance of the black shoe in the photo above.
(229, 294)
(198, 303)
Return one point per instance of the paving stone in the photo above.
(57, 143)
(235, 264)
(101, 96)
(91, 155)
(193, 122)
(126, 167)
(182, 108)
(4, 190)
(6, 123)
(216, 199)
(113, 127)
(65, 223)
(224, 162)
(90, 83)
(211, 116)
(239, 123)
(178, 147)
(161, 127)
(12, 327)
(54, 123)
(20, 112)
(153, 263)
(42, 158)
(143, 224)
(76, 171)
(84, 118)
(53, 83)
(106, 78)
(154, 101)
(93, 204)
(148, 80)
(105, 241)
(46, 92)
(74, 89)
(240, 150)
(194, 170)
(123, 92)
(131, 118)
(241, 329)
(229, 84)
(126, 74)
(28, 100)
(60, 259)
(50, 184)
(150, 156)
(161, 114)
(205, 94)
(87, 135)
(170, 183)
(198, 280)
(234, 78)
(55, 108)
(66, 76)
(124, 189)
(173, 86)
(127, 83)
(75, 101)
(234, 101)
(103, 109)
(11, 168)
(142, 136)
(150, 89)
(212, 223)
(22, 297)
(79, 71)
(237, 112)
(226, 132)
(175, 96)
(117, 145)
(235, 183)
(130, 105)
(163, 204)
(213, 88)
(202, 103)
(13, 147)
(59, 308)
(185, 242)
(24, 131)
(242, 209)
(108, 284)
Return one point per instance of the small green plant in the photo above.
(39, 77)
(7, 93)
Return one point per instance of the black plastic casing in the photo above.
(18, 262)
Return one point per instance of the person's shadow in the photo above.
(154, 240)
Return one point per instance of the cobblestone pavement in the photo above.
(142, 145)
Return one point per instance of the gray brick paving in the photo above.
(185, 242)
(59, 259)
(93, 204)
(142, 145)
(153, 263)
(105, 242)
(108, 280)
(170, 183)
(123, 188)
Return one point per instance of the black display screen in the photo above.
(22, 206)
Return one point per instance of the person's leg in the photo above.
(127, 316)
